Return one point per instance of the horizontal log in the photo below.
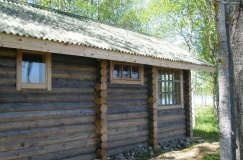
(6, 82)
(7, 61)
(101, 122)
(101, 93)
(101, 79)
(171, 118)
(101, 108)
(127, 91)
(28, 143)
(73, 67)
(91, 156)
(171, 112)
(124, 116)
(126, 142)
(129, 122)
(162, 124)
(7, 71)
(100, 101)
(118, 150)
(126, 103)
(70, 83)
(171, 128)
(18, 98)
(74, 60)
(129, 86)
(102, 138)
(63, 154)
(9, 90)
(101, 86)
(102, 63)
(119, 130)
(127, 109)
(11, 126)
(74, 75)
(172, 133)
(52, 106)
(128, 135)
(35, 115)
(127, 96)
(7, 52)
(46, 149)
(44, 132)
(102, 71)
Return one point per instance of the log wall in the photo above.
(127, 116)
(83, 116)
(40, 124)
(173, 123)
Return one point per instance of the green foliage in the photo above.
(206, 124)
(211, 157)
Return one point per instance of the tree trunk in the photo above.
(224, 83)
(236, 28)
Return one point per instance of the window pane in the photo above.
(135, 72)
(170, 99)
(163, 99)
(126, 71)
(170, 76)
(117, 71)
(170, 87)
(33, 69)
(166, 76)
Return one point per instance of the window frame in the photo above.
(47, 84)
(115, 80)
(172, 106)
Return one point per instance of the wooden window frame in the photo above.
(113, 79)
(20, 85)
(173, 106)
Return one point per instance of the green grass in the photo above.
(206, 124)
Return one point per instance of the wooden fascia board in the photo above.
(21, 42)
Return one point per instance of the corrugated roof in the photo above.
(32, 21)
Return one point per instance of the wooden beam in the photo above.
(101, 108)
(153, 107)
(20, 42)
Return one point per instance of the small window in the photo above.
(126, 73)
(169, 88)
(33, 70)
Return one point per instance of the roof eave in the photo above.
(28, 43)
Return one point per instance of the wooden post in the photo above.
(101, 108)
(153, 107)
(188, 102)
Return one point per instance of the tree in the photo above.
(225, 117)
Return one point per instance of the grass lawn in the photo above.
(206, 124)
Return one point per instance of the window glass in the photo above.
(33, 68)
(126, 71)
(135, 72)
(169, 87)
(117, 71)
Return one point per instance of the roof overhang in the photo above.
(21, 42)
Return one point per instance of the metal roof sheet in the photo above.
(32, 21)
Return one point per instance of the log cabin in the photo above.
(74, 88)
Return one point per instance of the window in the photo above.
(170, 88)
(33, 70)
(126, 73)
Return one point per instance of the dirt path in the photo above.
(195, 152)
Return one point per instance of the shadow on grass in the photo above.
(212, 136)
